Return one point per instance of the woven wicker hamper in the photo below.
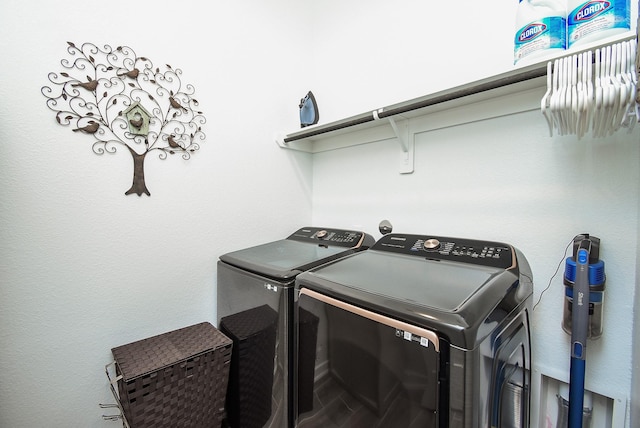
(175, 379)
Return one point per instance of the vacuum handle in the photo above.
(580, 306)
(579, 332)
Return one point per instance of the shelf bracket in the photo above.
(298, 146)
(407, 143)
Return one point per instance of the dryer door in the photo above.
(357, 368)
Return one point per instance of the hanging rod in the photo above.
(494, 82)
(512, 77)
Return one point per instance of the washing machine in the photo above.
(255, 309)
(418, 331)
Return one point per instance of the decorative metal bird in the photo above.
(91, 85)
(173, 143)
(91, 128)
(137, 121)
(132, 73)
(176, 104)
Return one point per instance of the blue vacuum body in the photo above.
(584, 294)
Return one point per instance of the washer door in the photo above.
(357, 368)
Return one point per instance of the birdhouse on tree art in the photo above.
(138, 119)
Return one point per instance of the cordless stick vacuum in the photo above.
(584, 292)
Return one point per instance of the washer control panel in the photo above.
(333, 237)
(486, 253)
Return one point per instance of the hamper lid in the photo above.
(148, 355)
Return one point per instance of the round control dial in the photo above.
(431, 244)
(321, 234)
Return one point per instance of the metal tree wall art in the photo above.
(122, 100)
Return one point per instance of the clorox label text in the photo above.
(532, 31)
(591, 9)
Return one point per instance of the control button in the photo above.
(583, 256)
(431, 244)
(321, 234)
(577, 349)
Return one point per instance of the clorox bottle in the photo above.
(541, 28)
(592, 20)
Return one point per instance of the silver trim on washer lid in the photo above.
(394, 323)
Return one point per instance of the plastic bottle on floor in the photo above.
(540, 30)
(591, 20)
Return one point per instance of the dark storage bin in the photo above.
(249, 397)
(308, 342)
(176, 379)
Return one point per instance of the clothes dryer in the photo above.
(418, 331)
(255, 309)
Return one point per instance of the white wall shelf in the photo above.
(403, 121)
(512, 92)
(312, 139)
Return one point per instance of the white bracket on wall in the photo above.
(407, 142)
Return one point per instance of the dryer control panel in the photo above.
(485, 253)
(333, 237)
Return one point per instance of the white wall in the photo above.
(370, 54)
(502, 179)
(85, 268)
